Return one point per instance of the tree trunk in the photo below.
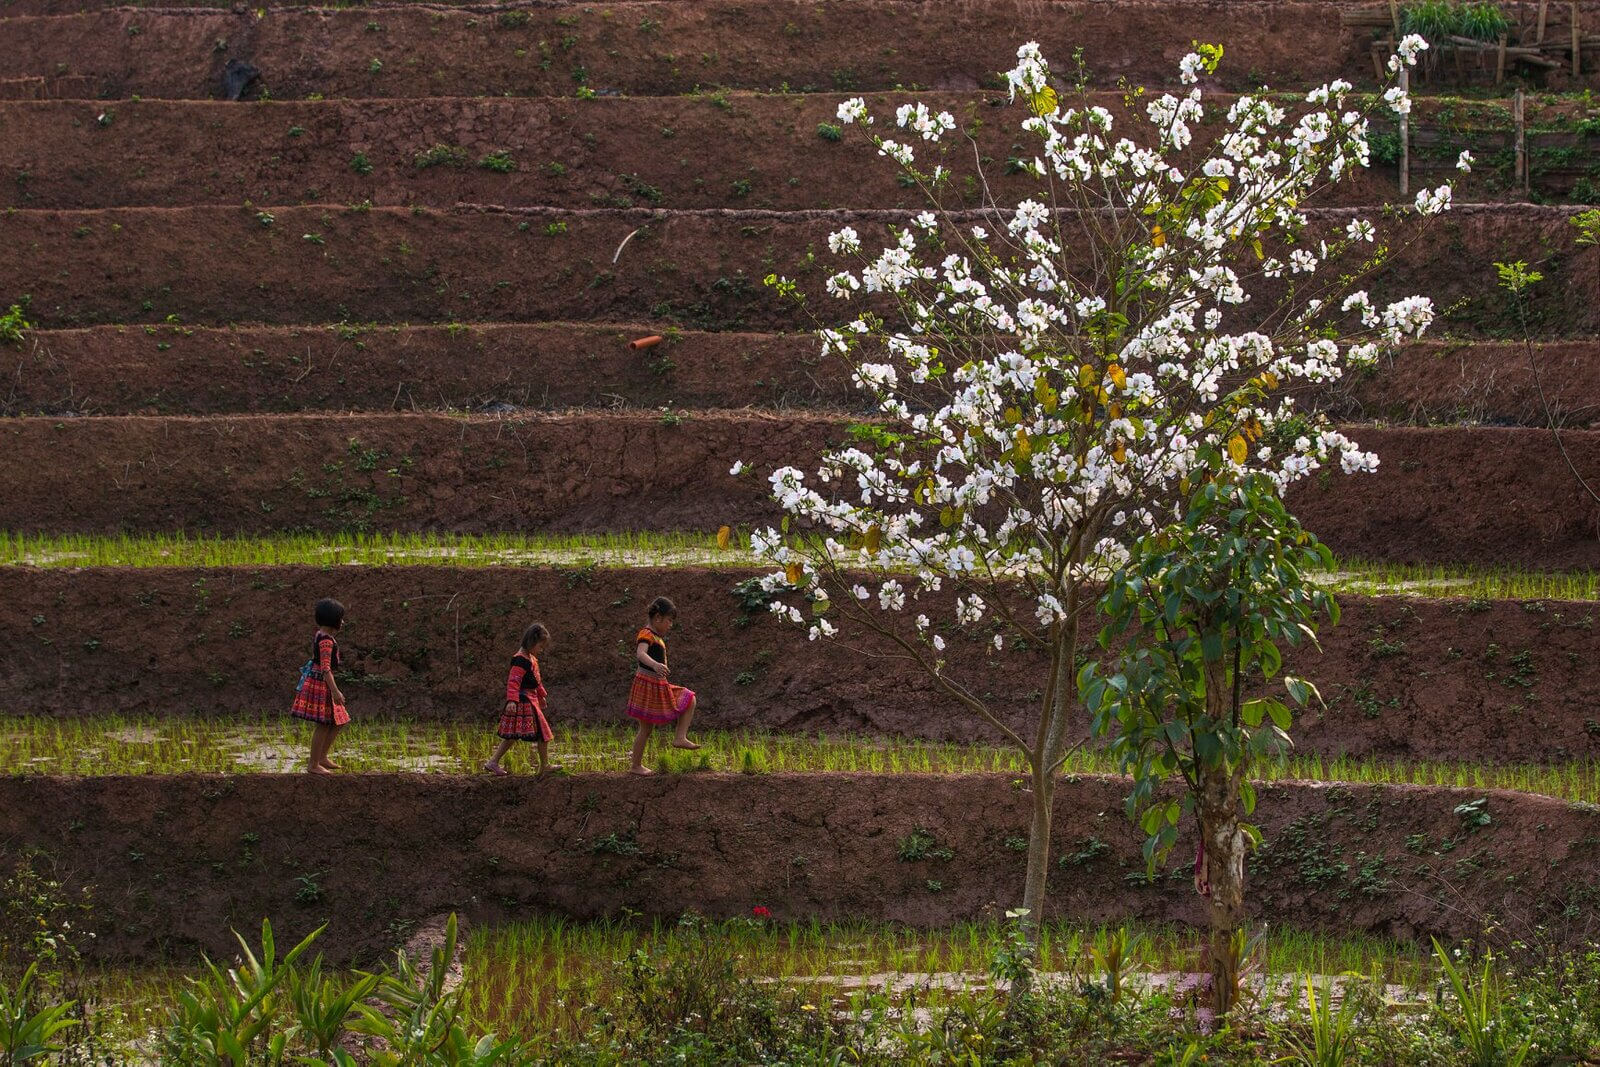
(1225, 845)
(1037, 878)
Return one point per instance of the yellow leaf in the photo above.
(1157, 238)
(1119, 453)
(1255, 246)
(1269, 379)
(1253, 429)
(1043, 102)
(1114, 411)
(1238, 449)
(1086, 375)
(873, 539)
(792, 573)
(1118, 376)
(1013, 416)
(946, 517)
(1024, 446)
(724, 536)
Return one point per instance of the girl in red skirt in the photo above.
(653, 700)
(523, 718)
(318, 699)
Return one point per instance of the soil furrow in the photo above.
(666, 48)
(1465, 495)
(700, 269)
(175, 862)
(1403, 678)
(751, 151)
(114, 370)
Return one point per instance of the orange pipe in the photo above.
(645, 342)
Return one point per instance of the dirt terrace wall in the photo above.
(1481, 681)
(669, 48)
(179, 370)
(124, 370)
(212, 266)
(680, 152)
(1488, 496)
(175, 862)
(416, 472)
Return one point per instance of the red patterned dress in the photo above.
(525, 689)
(313, 700)
(653, 699)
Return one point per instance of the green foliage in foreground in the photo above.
(117, 745)
(697, 994)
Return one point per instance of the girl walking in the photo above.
(654, 701)
(523, 718)
(318, 699)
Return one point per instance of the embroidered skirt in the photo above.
(527, 723)
(313, 703)
(655, 700)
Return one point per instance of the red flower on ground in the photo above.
(761, 913)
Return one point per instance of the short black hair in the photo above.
(330, 612)
(533, 635)
(661, 606)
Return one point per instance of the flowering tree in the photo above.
(1052, 377)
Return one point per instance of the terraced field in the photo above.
(390, 295)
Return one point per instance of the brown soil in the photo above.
(1412, 678)
(175, 862)
(670, 48)
(418, 472)
(676, 152)
(117, 370)
(219, 265)
(1488, 496)
(114, 370)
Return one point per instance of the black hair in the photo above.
(661, 606)
(534, 634)
(330, 612)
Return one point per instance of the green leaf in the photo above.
(1282, 718)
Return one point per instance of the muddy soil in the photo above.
(485, 366)
(115, 370)
(703, 270)
(740, 151)
(175, 862)
(1495, 681)
(307, 472)
(670, 48)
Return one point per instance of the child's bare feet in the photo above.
(329, 765)
(683, 742)
(642, 772)
(315, 769)
(496, 770)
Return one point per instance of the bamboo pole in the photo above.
(1500, 62)
(1405, 136)
(1544, 5)
(1522, 142)
(1577, 42)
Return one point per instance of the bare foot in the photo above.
(329, 765)
(684, 742)
(496, 770)
(642, 772)
(317, 770)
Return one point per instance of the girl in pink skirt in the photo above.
(318, 699)
(653, 700)
(523, 718)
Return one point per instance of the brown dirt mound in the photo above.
(175, 862)
(1413, 678)
(704, 270)
(118, 370)
(114, 370)
(669, 48)
(1490, 496)
(270, 473)
(677, 152)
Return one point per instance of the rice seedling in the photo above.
(121, 745)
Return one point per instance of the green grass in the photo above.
(383, 549)
(116, 745)
(659, 550)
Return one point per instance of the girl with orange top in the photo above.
(523, 718)
(653, 700)
(318, 699)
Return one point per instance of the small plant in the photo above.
(512, 20)
(830, 132)
(499, 162)
(1331, 1038)
(920, 845)
(555, 229)
(741, 188)
(375, 67)
(1474, 814)
(442, 155)
(1478, 1015)
(26, 1033)
(313, 238)
(360, 164)
(12, 324)
(308, 889)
